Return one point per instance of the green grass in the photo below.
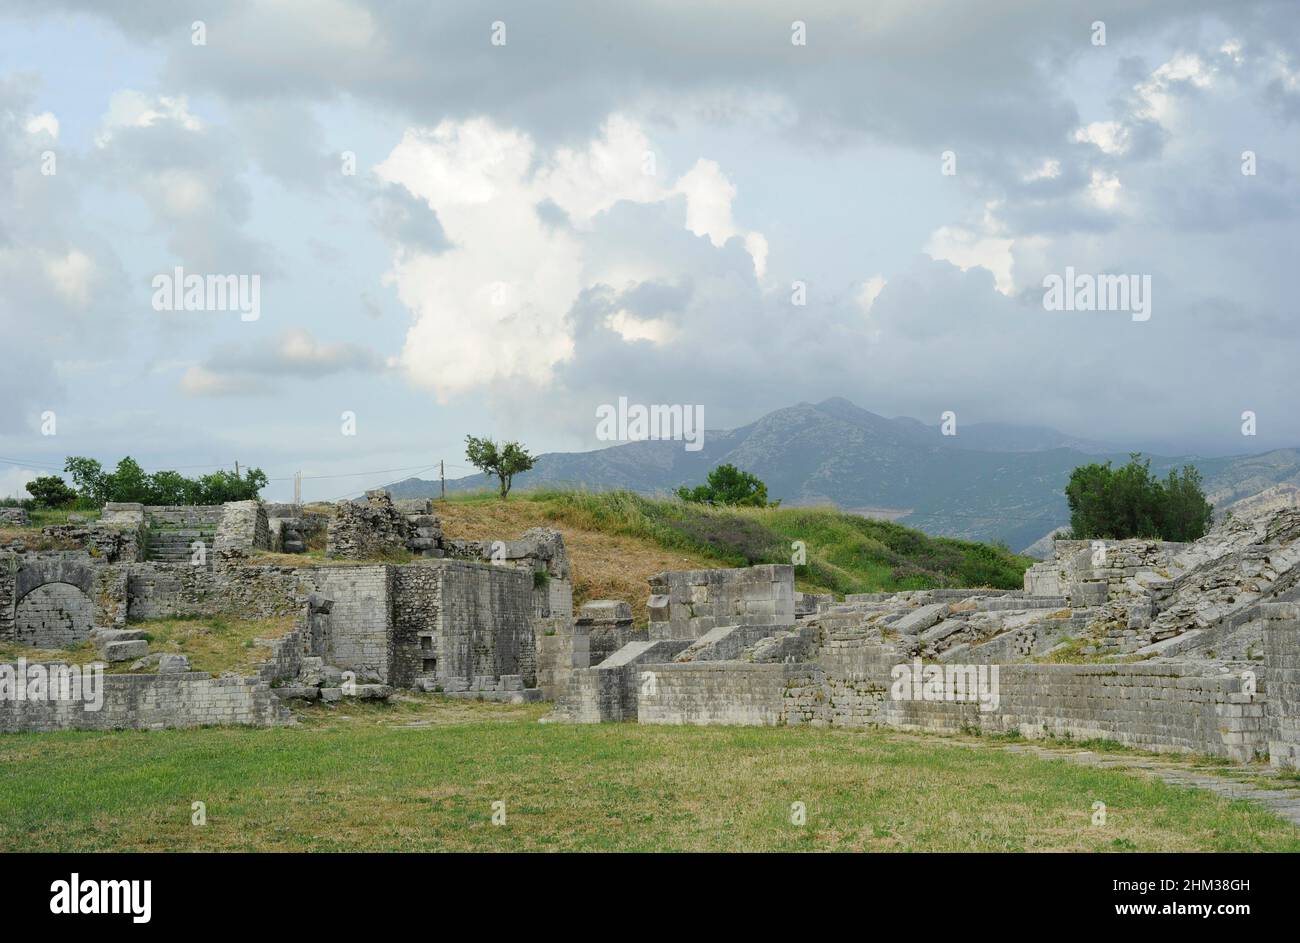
(213, 643)
(845, 553)
(423, 774)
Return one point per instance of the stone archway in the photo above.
(53, 615)
(53, 605)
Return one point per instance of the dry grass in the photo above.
(605, 566)
(213, 644)
(216, 643)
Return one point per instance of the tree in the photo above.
(1188, 514)
(130, 483)
(504, 461)
(51, 491)
(1131, 502)
(728, 485)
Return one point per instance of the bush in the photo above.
(728, 486)
(1131, 502)
(51, 491)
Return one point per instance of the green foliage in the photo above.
(130, 483)
(505, 460)
(1131, 502)
(844, 553)
(728, 486)
(51, 491)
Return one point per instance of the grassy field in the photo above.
(423, 774)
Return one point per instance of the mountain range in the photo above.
(989, 481)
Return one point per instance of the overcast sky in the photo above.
(557, 204)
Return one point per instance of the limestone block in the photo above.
(168, 663)
(125, 651)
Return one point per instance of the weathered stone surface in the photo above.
(918, 621)
(124, 651)
(168, 663)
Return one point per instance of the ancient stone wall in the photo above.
(186, 516)
(241, 527)
(463, 625)
(166, 590)
(1088, 572)
(150, 702)
(14, 517)
(714, 693)
(84, 592)
(367, 531)
(361, 620)
(1153, 706)
(1282, 658)
(684, 604)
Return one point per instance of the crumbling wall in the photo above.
(379, 529)
(241, 528)
(684, 604)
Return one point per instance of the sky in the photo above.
(492, 219)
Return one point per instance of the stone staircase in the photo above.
(173, 545)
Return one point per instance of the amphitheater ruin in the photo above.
(1159, 646)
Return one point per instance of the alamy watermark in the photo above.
(1086, 292)
(975, 684)
(176, 291)
(635, 422)
(40, 682)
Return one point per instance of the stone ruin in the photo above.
(1161, 646)
(462, 618)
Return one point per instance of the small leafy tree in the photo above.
(505, 460)
(51, 491)
(1131, 502)
(728, 485)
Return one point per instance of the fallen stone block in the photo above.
(102, 637)
(330, 695)
(303, 692)
(173, 664)
(368, 692)
(125, 651)
(918, 620)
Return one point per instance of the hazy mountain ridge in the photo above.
(992, 481)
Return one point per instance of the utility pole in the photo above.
(236, 468)
(297, 489)
(442, 477)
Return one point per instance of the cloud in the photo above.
(520, 224)
(248, 370)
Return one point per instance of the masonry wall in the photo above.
(684, 604)
(361, 622)
(165, 590)
(1152, 706)
(714, 693)
(480, 615)
(1282, 658)
(56, 598)
(187, 516)
(150, 702)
